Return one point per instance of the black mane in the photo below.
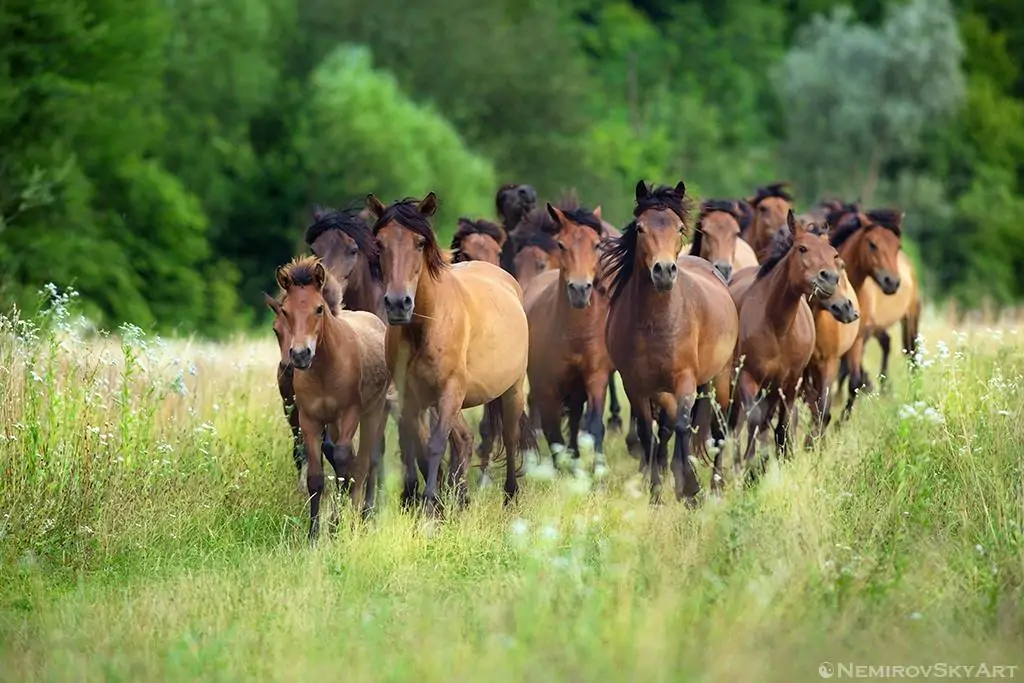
(773, 190)
(583, 216)
(666, 198)
(468, 226)
(709, 206)
(301, 272)
(349, 222)
(406, 213)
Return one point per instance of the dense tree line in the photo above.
(161, 156)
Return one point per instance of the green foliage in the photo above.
(358, 134)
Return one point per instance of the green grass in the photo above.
(150, 529)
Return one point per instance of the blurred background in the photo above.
(161, 155)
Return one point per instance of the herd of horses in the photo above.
(715, 327)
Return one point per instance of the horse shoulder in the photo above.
(539, 295)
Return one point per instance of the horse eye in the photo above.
(320, 309)
(352, 251)
(640, 230)
(803, 249)
(872, 246)
(420, 244)
(562, 247)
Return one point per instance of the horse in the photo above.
(870, 251)
(777, 335)
(513, 202)
(341, 381)
(671, 327)
(769, 206)
(836, 326)
(479, 240)
(457, 338)
(569, 363)
(717, 237)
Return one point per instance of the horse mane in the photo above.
(890, 219)
(349, 221)
(406, 213)
(838, 209)
(666, 198)
(582, 216)
(534, 238)
(537, 220)
(468, 226)
(773, 190)
(782, 242)
(301, 271)
(709, 206)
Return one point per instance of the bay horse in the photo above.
(341, 381)
(769, 205)
(777, 334)
(717, 237)
(513, 202)
(478, 240)
(870, 249)
(671, 328)
(457, 338)
(567, 309)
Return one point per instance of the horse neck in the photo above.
(363, 292)
(850, 253)
(334, 333)
(783, 300)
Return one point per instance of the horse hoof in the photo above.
(690, 500)
(585, 441)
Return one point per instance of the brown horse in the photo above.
(770, 205)
(535, 252)
(513, 202)
(870, 251)
(569, 362)
(836, 326)
(671, 327)
(776, 337)
(478, 240)
(717, 237)
(457, 338)
(341, 380)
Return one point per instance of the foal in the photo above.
(341, 380)
(671, 327)
(569, 362)
(457, 338)
(717, 237)
(776, 335)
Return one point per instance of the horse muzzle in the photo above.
(579, 293)
(398, 308)
(889, 284)
(301, 358)
(725, 268)
(843, 311)
(664, 274)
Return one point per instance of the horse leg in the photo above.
(311, 430)
(633, 445)
(783, 426)
(410, 443)
(375, 476)
(484, 451)
(664, 439)
(813, 392)
(574, 404)
(341, 457)
(517, 435)
(687, 486)
(641, 413)
(550, 409)
(285, 378)
(753, 410)
(448, 406)
(615, 421)
(854, 357)
(885, 341)
(461, 443)
(593, 423)
(371, 432)
(909, 327)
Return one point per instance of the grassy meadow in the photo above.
(151, 529)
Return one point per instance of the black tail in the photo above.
(493, 417)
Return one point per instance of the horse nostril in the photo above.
(407, 302)
(828, 276)
(658, 269)
(673, 269)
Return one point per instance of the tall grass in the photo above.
(150, 529)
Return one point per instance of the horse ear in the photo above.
(317, 211)
(272, 303)
(283, 281)
(642, 191)
(428, 207)
(597, 212)
(556, 215)
(320, 275)
(374, 206)
(795, 227)
(681, 188)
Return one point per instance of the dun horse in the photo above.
(671, 327)
(341, 380)
(478, 240)
(776, 337)
(457, 338)
(870, 250)
(569, 362)
(717, 237)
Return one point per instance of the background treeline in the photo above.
(161, 155)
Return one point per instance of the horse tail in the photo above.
(494, 419)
